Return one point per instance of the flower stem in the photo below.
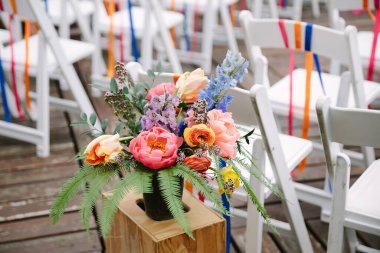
(126, 138)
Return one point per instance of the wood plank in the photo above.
(40, 227)
(72, 242)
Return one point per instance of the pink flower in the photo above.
(160, 89)
(156, 148)
(226, 134)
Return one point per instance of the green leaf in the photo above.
(125, 90)
(104, 124)
(151, 73)
(159, 67)
(83, 116)
(170, 190)
(113, 85)
(200, 183)
(68, 191)
(93, 119)
(118, 128)
(78, 123)
(92, 193)
(135, 180)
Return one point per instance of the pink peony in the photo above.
(156, 148)
(226, 134)
(160, 90)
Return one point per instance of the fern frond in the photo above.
(170, 189)
(131, 181)
(68, 191)
(144, 182)
(260, 208)
(92, 193)
(200, 183)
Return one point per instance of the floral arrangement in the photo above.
(165, 134)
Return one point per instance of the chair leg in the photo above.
(273, 9)
(232, 44)
(209, 22)
(43, 110)
(297, 9)
(315, 7)
(254, 232)
(340, 187)
(352, 239)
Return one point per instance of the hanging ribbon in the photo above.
(282, 3)
(291, 67)
(172, 29)
(111, 59)
(135, 50)
(243, 5)
(46, 6)
(194, 42)
(371, 65)
(232, 14)
(121, 41)
(185, 24)
(26, 65)
(226, 205)
(1, 6)
(13, 6)
(13, 70)
(7, 113)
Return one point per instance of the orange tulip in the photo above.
(103, 149)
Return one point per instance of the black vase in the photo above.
(154, 203)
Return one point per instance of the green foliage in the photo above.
(136, 180)
(93, 192)
(170, 188)
(113, 85)
(200, 183)
(68, 191)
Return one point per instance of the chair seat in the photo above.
(365, 45)
(86, 8)
(4, 36)
(73, 49)
(279, 92)
(201, 4)
(363, 203)
(295, 150)
(121, 21)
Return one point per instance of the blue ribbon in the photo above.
(226, 205)
(135, 50)
(185, 31)
(7, 114)
(308, 37)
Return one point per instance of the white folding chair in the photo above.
(294, 11)
(149, 21)
(49, 57)
(365, 38)
(209, 10)
(342, 46)
(356, 207)
(292, 149)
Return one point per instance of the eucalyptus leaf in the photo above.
(83, 116)
(151, 73)
(113, 86)
(104, 124)
(93, 119)
(99, 87)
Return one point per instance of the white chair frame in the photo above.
(360, 128)
(33, 10)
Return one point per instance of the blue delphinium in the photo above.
(228, 75)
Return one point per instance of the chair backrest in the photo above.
(348, 5)
(342, 45)
(347, 126)
(21, 8)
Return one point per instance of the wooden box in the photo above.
(134, 232)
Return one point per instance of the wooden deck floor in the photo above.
(28, 184)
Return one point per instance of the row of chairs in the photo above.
(285, 152)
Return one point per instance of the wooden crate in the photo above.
(134, 232)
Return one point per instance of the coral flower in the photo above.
(226, 134)
(198, 134)
(189, 84)
(230, 179)
(156, 148)
(102, 149)
(199, 164)
(160, 89)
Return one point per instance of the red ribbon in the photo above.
(194, 41)
(13, 71)
(371, 65)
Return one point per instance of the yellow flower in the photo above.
(198, 134)
(103, 149)
(189, 84)
(230, 179)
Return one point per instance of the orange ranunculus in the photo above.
(103, 149)
(198, 134)
(199, 164)
(189, 84)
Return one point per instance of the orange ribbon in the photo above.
(232, 13)
(26, 65)
(172, 30)
(111, 59)
(13, 6)
(298, 35)
(188, 186)
(368, 9)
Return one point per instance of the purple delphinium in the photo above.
(161, 112)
